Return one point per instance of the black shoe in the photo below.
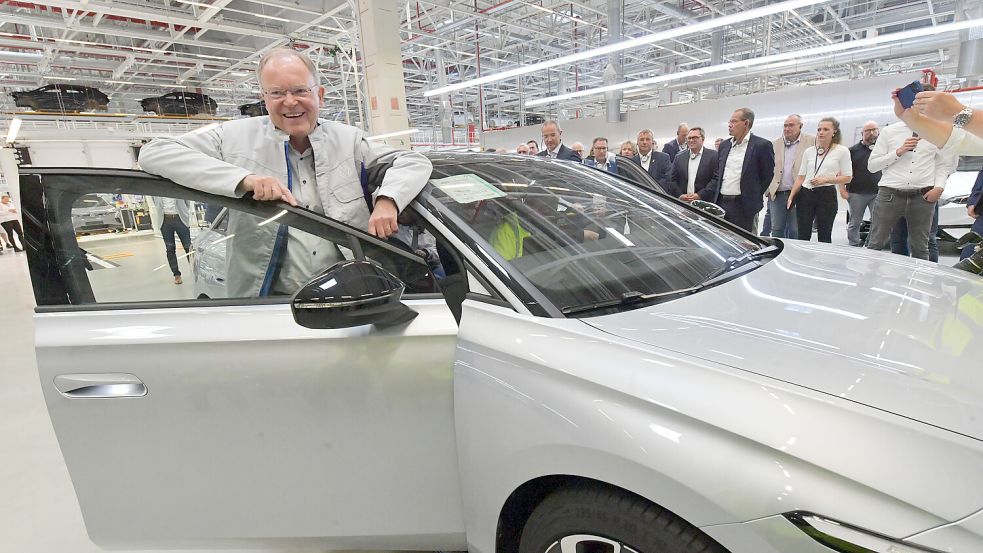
(970, 237)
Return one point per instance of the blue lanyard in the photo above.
(276, 258)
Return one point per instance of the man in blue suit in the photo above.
(678, 145)
(600, 149)
(553, 143)
(745, 167)
(694, 169)
(658, 164)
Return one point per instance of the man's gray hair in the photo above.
(646, 131)
(681, 125)
(797, 117)
(551, 122)
(747, 115)
(287, 52)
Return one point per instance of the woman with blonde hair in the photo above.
(824, 167)
(628, 149)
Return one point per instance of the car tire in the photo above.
(597, 519)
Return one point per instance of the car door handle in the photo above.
(104, 385)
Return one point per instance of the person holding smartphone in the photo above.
(825, 166)
(913, 175)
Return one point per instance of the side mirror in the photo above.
(710, 208)
(351, 293)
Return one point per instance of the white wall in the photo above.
(852, 102)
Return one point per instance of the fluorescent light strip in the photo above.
(15, 124)
(393, 134)
(686, 29)
(786, 59)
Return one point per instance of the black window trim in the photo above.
(42, 199)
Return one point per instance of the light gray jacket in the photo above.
(183, 209)
(216, 160)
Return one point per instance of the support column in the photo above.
(378, 24)
(614, 73)
(444, 111)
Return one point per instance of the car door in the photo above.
(192, 420)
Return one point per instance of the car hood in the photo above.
(889, 332)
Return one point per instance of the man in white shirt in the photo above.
(10, 220)
(657, 164)
(913, 175)
(553, 146)
(694, 168)
(745, 168)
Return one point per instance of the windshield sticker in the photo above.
(467, 188)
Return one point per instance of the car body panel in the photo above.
(964, 537)
(261, 445)
(953, 218)
(860, 325)
(180, 103)
(713, 444)
(62, 98)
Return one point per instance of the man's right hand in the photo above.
(971, 211)
(909, 146)
(267, 189)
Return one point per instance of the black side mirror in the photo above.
(351, 293)
(709, 208)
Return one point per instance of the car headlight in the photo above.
(843, 538)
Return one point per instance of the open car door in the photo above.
(194, 420)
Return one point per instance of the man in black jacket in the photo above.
(862, 190)
(745, 168)
(656, 163)
(673, 147)
(694, 169)
(553, 143)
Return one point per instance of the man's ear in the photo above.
(320, 94)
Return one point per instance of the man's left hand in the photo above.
(938, 105)
(382, 222)
(932, 195)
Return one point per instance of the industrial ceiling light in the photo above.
(785, 59)
(15, 124)
(393, 134)
(683, 30)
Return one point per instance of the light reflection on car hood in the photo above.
(886, 331)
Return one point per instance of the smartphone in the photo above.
(907, 94)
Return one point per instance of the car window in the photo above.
(143, 248)
(579, 236)
(970, 163)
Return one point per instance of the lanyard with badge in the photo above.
(818, 163)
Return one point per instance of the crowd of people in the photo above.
(897, 173)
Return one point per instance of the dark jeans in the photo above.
(784, 221)
(892, 205)
(173, 225)
(819, 204)
(735, 212)
(11, 227)
(899, 238)
(971, 248)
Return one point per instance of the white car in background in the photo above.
(953, 219)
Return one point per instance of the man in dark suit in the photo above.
(658, 164)
(745, 168)
(553, 143)
(974, 207)
(601, 160)
(694, 169)
(678, 145)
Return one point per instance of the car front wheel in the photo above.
(595, 519)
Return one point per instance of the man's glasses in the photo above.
(296, 92)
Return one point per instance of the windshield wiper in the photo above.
(739, 260)
(628, 298)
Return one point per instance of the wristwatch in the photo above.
(961, 118)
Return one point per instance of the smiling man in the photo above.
(293, 156)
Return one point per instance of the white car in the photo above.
(953, 219)
(601, 369)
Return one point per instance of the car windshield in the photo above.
(588, 242)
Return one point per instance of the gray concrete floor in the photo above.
(38, 509)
